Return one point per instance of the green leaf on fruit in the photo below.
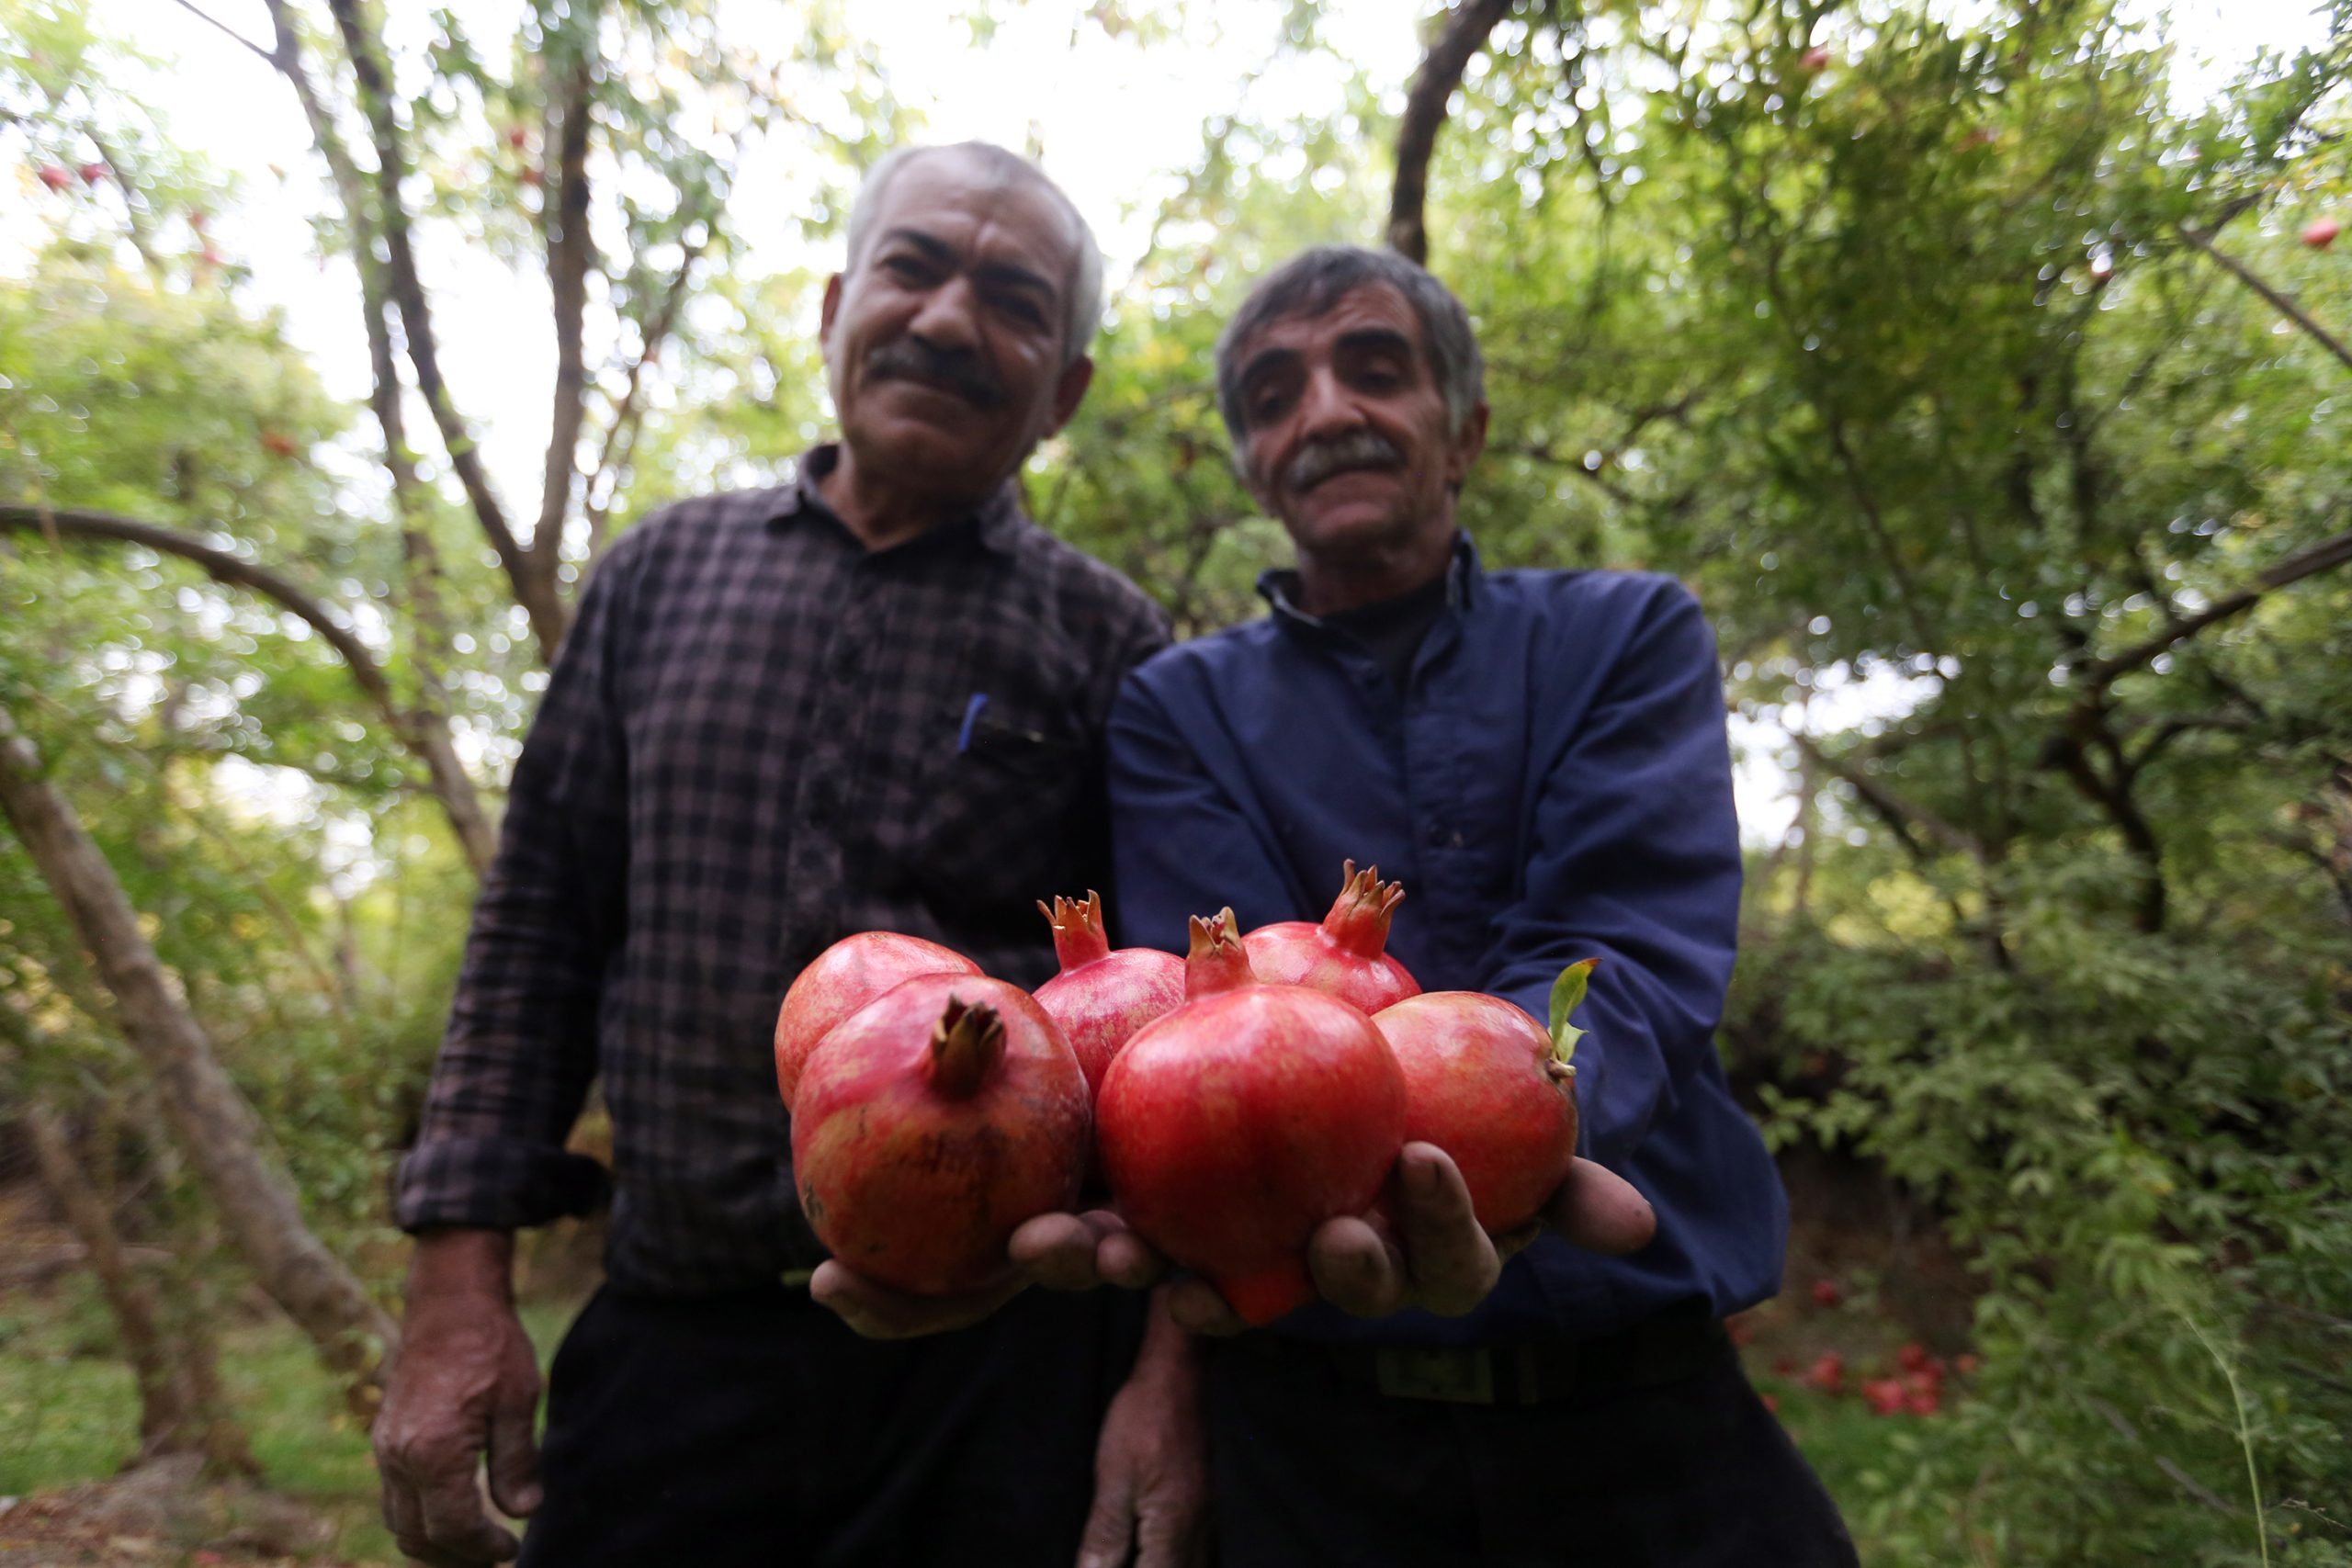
(1567, 992)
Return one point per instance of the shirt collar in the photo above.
(1279, 586)
(997, 521)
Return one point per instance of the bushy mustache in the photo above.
(1356, 449)
(915, 360)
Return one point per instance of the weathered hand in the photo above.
(466, 1384)
(1060, 1251)
(1151, 1462)
(1428, 1251)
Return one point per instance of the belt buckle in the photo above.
(1458, 1377)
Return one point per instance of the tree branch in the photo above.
(2278, 301)
(1465, 29)
(2325, 556)
(425, 735)
(569, 251)
(546, 609)
(620, 436)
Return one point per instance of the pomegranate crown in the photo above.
(965, 1043)
(1358, 918)
(1078, 937)
(1567, 991)
(1217, 961)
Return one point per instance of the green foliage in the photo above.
(1897, 336)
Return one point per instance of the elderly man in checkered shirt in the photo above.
(873, 698)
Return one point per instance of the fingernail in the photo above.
(1420, 1176)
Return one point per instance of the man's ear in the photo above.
(1071, 389)
(1467, 442)
(832, 307)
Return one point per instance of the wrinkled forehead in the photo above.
(968, 203)
(1360, 313)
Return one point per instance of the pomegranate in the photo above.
(54, 177)
(931, 1123)
(1344, 955)
(2320, 232)
(1102, 998)
(1232, 1127)
(1484, 1082)
(844, 978)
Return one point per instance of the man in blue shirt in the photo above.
(1540, 758)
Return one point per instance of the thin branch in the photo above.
(620, 436)
(219, 26)
(2173, 1472)
(2325, 556)
(571, 249)
(2278, 301)
(1907, 819)
(1465, 29)
(425, 734)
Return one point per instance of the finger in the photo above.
(1600, 1211)
(1168, 1537)
(1356, 1269)
(515, 1457)
(1057, 1251)
(402, 1513)
(1452, 1259)
(1126, 1260)
(879, 1312)
(1510, 1243)
(1194, 1306)
(1110, 1525)
(457, 1526)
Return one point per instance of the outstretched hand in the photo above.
(1059, 1251)
(1427, 1250)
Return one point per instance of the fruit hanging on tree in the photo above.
(930, 1123)
(1346, 954)
(1102, 998)
(844, 978)
(1232, 1127)
(1490, 1086)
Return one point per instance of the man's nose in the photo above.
(1325, 406)
(946, 319)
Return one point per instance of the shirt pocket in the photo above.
(1005, 800)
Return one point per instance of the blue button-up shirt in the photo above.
(1553, 784)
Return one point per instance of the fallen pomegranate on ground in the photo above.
(844, 978)
(1232, 1127)
(1490, 1086)
(1346, 954)
(930, 1123)
(1102, 998)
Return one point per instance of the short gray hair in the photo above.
(1312, 282)
(1084, 284)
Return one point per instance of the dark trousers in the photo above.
(1308, 1468)
(757, 1429)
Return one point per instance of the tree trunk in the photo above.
(1463, 34)
(180, 1410)
(215, 1125)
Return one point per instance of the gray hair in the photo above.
(1312, 282)
(1084, 284)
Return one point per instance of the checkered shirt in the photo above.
(758, 738)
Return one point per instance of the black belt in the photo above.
(1679, 1342)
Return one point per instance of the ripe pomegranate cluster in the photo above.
(1232, 1101)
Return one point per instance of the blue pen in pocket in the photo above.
(971, 717)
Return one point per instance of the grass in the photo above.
(69, 1410)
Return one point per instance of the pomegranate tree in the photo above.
(1346, 954)
(1490, 1086)
(1102, 998)
(1232, 1127)
(844, 978)
(931, 1123)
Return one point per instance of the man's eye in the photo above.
(1021, 308)
(908, 269)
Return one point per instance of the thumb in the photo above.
(1110, 1525)
(513, 1460)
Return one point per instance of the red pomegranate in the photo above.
(1232, 1127)
(1484, 1082)
(844, 978)
(2320, 232)
(1343, 955)
(1102, 998)
(931, 1123)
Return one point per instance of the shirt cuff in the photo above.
(494, 1184)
